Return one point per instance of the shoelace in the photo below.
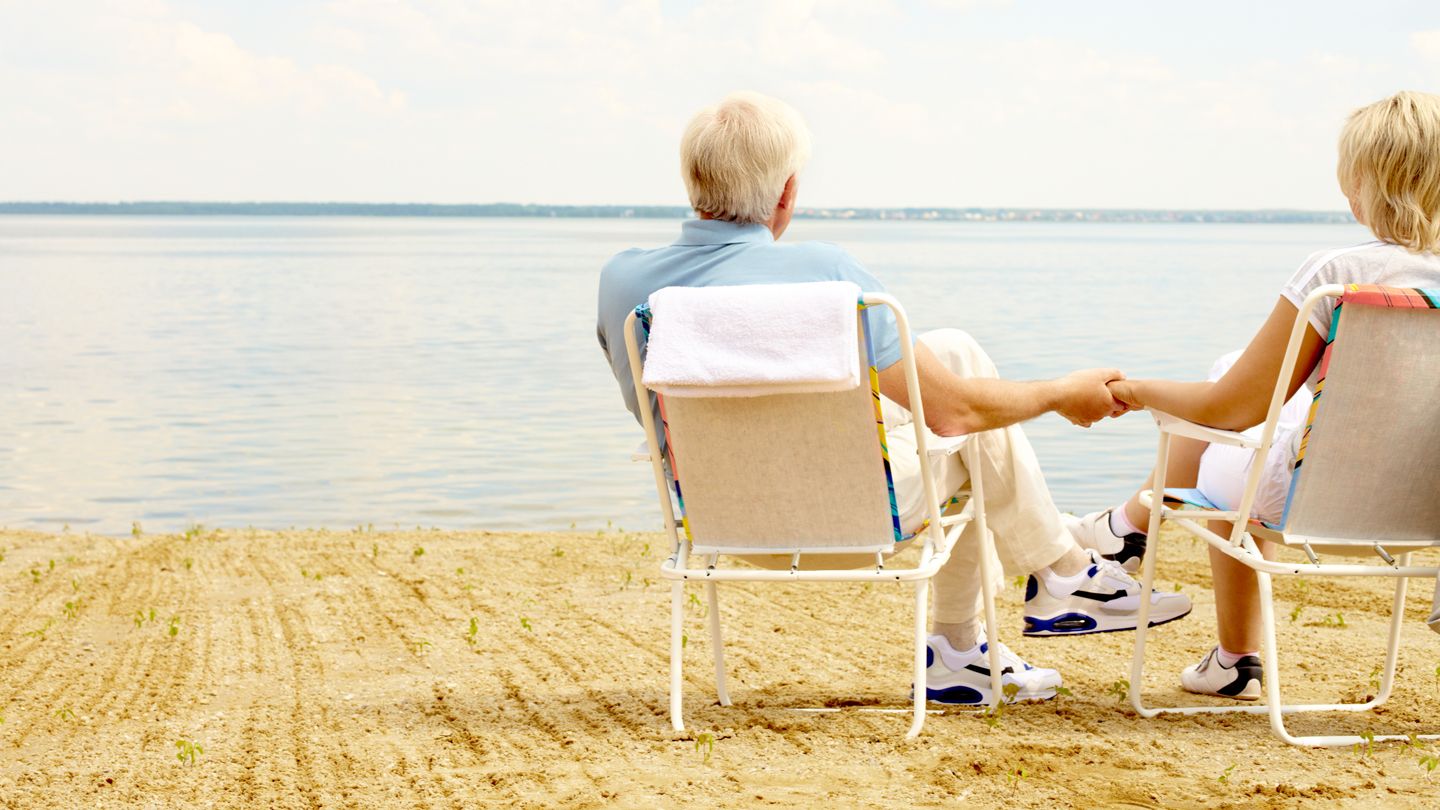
(1009, 658)
(1117, 572)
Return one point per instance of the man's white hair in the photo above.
(737, 155)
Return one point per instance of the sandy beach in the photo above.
(458, 669)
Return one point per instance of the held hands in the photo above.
(1123, 391)
(1088, 396)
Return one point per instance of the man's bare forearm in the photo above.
(972, 405)
(957, 405)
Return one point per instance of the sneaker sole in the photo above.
(1081, 624)
(970, 696)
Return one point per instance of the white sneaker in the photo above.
(1210, 677)
(963, 677)
(1106, 599)
(1093, 531)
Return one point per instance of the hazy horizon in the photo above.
(7, 203)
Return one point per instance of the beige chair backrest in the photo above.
(782, 473)
(1371, 467)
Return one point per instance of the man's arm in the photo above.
(955, 405)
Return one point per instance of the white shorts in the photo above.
(1223, 467)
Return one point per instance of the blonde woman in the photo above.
(1389, 170)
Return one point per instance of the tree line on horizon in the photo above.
(185, 208)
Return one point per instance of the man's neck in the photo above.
(773, 224)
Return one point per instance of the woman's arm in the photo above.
(1241, 398)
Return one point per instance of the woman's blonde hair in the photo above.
(737, 155)
(1390, 168)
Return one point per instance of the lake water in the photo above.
(432, 372)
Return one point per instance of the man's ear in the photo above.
(787, 196)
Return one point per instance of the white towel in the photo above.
(753, 340)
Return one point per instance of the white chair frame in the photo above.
(938, 538)
(1241, 546)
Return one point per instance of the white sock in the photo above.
(970, 635)
(1059, 585)
(1120, 524)
(1228, 659)
(975, 650)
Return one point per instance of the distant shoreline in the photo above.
(288, 209)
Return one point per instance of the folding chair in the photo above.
(1367, 482)
(802, 479)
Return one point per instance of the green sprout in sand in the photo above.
(1366, 746)
(1120, 689)
(705, 743)
(188, 751)
(39, 633)
(994, 714)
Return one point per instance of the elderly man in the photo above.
(740, 161)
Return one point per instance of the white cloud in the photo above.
(1427, 44)
(582, 101)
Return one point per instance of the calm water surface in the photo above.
(336, 372)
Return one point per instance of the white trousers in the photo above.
(1021, 516)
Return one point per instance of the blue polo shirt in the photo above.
(712, 253)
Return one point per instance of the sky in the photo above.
(955, 103)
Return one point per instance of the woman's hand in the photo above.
(1084, 398)
(1124, 392)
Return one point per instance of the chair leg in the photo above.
(1271, 665)
(1147, 577)
(1270, 659)
(1392, 653)
(677, 613)
(1147, 585)
(921, 591)
(717, 642)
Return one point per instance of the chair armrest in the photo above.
(1179, 427)
(942, 446)
(641, 451)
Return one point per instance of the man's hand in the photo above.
(1085, 397)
